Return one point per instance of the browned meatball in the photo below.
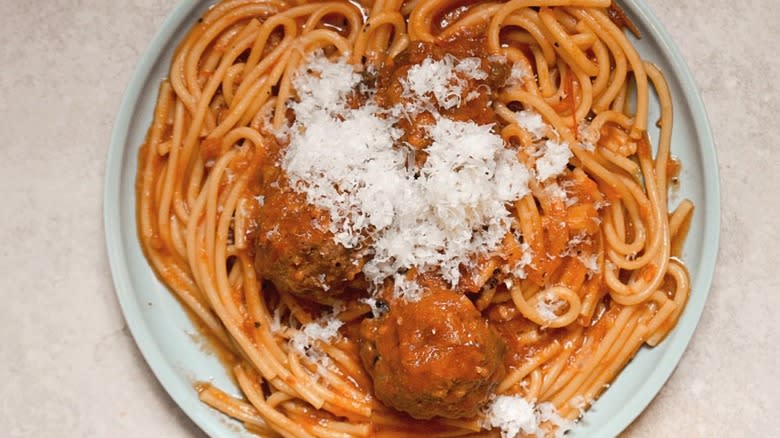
(434, 357)
(295, 250)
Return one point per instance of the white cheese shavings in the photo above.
(444, 79)
(547, 413)
(324, 330)
(579, 403)
(352, 175)
(555, 191)
(471, 68)
(304, 340)
(516, 416)
(545, 311)
(260, 200)
(591, 263)
(437, 78)
(432, 218)
(323, 86)
(553, 161)
(473, 94)
(588, 146)
(588, 136)
(405, 289)
(276, 322)
(575, 241)
(548, 306)
(512, 415)
(517, 75)
(532, 122)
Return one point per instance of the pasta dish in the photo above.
(415, 217)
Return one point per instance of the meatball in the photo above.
(434, 357)
(295, 250)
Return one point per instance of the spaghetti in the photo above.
(575, 264)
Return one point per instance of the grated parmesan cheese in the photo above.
(471, 68)
(588, 136)
(444, 79)
(512, 415)
(552, 156)
(472, 95)
(339, 77)
(555, 191)
(553, 161)
(532, 122)
(515, 416)
(437, 78)
(272, 232)
(579, 403)
(591, 263)
(517, 75)
(276, 322)
(354, 180)
(575, 241)
(324, 330)
(588, 146)
(548, 414)
(452, 208)
(548, 306)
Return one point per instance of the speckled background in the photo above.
(68, 366)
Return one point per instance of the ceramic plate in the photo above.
(171, 345)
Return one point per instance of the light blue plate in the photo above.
(165, 334)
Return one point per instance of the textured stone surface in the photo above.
(68, 365)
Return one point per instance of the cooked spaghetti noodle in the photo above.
(584, 273)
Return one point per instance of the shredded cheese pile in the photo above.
(515, 416)
(444, 79)
(435, 217)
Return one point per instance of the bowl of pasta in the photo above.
(412, 218)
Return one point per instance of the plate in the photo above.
(171, 345)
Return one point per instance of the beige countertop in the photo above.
(68, 365)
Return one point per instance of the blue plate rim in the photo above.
(162, 369)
